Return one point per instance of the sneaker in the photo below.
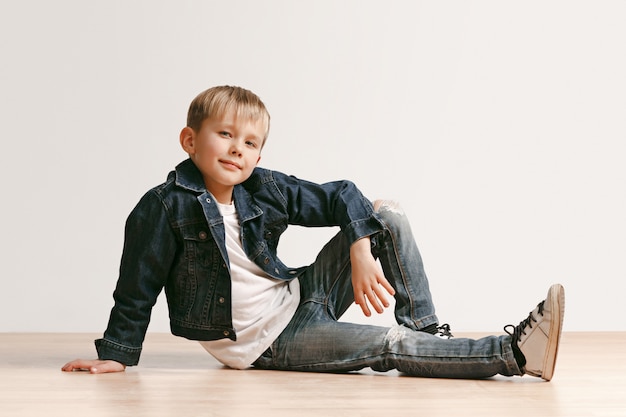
(443, 332)
(536, 339)
(435, 329)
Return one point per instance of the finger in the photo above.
(386, 285)
(361, 302)
(372, 297)
(380, 294)
(77, 365)
(365, 309)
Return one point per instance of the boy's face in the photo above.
(225, 150)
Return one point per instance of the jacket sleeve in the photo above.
(337, 203)
(149, 249)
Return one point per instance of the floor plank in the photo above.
(177, 377)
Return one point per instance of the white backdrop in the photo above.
(500, 127)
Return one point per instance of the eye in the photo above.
(225, 134)
(252, 143)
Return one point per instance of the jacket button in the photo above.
(202, 235)
(266, 261)
(226, 333)
(208, 200)
(221, 300)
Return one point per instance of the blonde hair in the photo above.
(217, 101)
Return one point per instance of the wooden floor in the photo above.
(178, 378)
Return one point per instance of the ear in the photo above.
(187, 136)
(257, 161)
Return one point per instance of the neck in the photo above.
(223, 196)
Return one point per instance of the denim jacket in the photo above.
(175, 239)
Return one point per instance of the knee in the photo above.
(396, 334)
(392, 214)
(388, 206)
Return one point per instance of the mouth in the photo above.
(230, 164)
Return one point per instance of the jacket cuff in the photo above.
(108, 350)
(362, 228)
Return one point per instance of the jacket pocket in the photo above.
(195, 275)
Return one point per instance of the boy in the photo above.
(209, 236)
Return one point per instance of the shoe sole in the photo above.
(556, 298)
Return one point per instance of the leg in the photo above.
(401, 261)
(315, 342)
(328, 280)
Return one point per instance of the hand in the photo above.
(94, 366)
(368, 280)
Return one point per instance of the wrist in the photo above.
(361, 246)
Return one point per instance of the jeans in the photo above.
(315, 341)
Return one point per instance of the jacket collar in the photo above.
(189, 177)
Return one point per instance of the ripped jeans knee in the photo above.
(392, 206)
(396, 334)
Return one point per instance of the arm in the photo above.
(149, 246)
(337, 203)
(341, 203)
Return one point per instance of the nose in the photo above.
(235, 148)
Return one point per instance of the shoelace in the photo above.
(518, 330)
(444, 331)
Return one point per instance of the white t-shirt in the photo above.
(261, 306)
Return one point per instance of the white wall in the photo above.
(500, 126)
